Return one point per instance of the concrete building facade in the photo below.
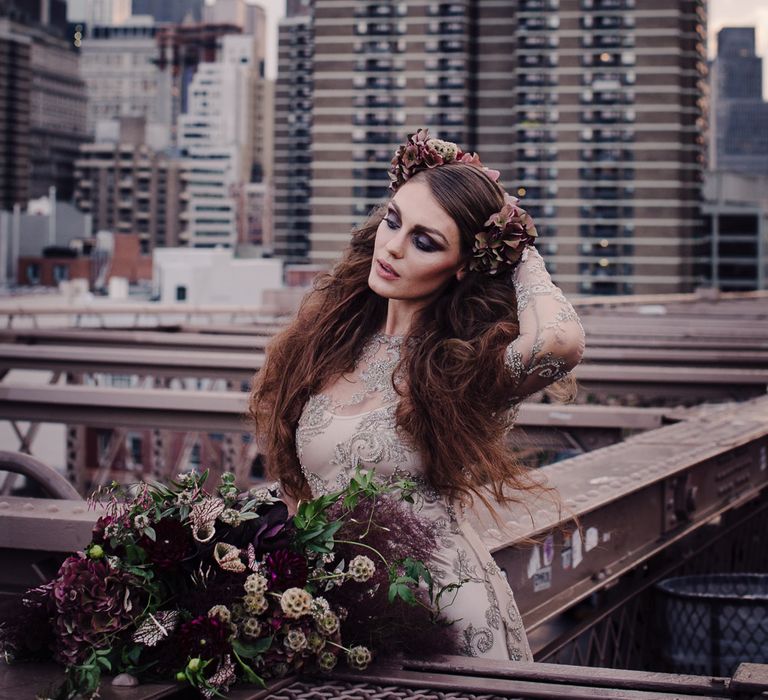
(293, 134)
(129, 188)
(170, 11)
(57, 99)
(15, 107)
(593, 110)
(119, 66)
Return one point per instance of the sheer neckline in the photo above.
(387, 338)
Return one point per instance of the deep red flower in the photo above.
(286, 569)
(172, 544)
(91, 600)
(203, 636)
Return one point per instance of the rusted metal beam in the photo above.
(429, 680)
(632, 500)
(220, 411)
(51, 481)
(646, 382)
(156, 363)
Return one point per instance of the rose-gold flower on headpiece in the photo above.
(422, 152)
(502, 242)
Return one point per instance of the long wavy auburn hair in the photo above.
(454, 405)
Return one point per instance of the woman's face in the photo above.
(417, 247)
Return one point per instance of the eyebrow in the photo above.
(419, 227)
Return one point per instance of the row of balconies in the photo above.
(604, 248)
(596, 21)
(446, 9)
(607, 155)
(525, 97)
(379, 101)
(381, 9)
(541, 23)
(606, 174)
(445, 100)
(607, 5)
(445, 45)
(454, 27)
(447, 82)
(540, 154)
(446, 119)
(537, 41)
(371, 155)
(608, 79)
(382, 46)
(607, 135)
(379, 65)
(537, 59)
(536, 136)
(537, 5)
(538, 116)
(607, 116)
(540, 192)
(372, 137)
(379, 119)
(606, 211)
(445, 64)
(379, 82)
(602, 231)
(604, 267)
(533, 174)
(608, 59)
(536, 79)
(607, 41)
(604, 192)
(380, 28)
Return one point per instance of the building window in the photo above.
(181, 293)
(33, 273)
(60, 273)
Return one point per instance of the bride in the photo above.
(410, 358)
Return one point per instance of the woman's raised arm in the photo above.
(551, 340)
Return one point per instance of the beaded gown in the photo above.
(352, 421)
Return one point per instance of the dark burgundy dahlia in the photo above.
(172, 544)
(285, 569)
(91, 600)
(204, 637)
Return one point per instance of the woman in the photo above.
(409, 358)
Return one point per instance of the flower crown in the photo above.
(505, 234)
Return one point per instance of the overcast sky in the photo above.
(722, 13)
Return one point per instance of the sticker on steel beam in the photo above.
(576, 544)
(591, 539)
(534, 563)
(542, 579)
(548, 552)
(566, 555)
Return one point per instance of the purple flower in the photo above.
(270, 531)
(286, 569)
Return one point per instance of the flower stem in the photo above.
(360, 544)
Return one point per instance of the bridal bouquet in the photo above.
(214, 588)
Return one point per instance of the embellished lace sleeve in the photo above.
(551, 340)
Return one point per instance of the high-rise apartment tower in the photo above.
(593, 110)
(293, 138)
